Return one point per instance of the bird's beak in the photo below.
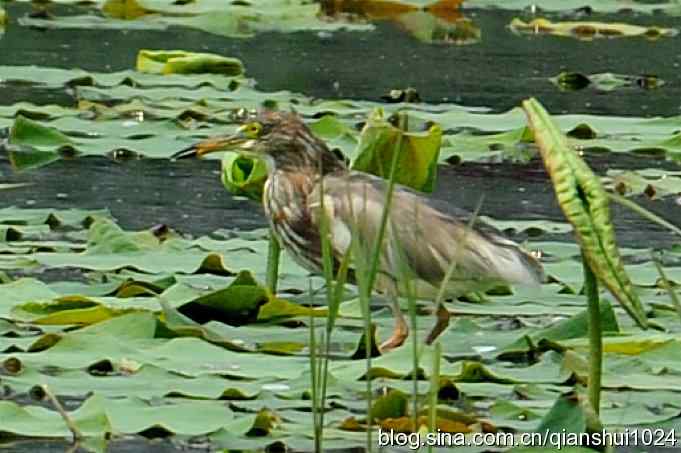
(215, 144)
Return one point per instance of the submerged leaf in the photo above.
(605, 81)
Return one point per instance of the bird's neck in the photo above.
(319, 165)
(307, 155)
(296, 176)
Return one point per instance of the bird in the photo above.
(423, 243)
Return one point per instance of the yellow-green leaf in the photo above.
(586, 206)
(419, 152)
(182, 62)
(589, 30)
(124, 9)
(243, 176)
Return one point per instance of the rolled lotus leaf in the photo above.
(243, 176)
(586, 206)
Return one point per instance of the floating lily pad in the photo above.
(182, 62)
(589, 30)
(651, 183)
(605, 81)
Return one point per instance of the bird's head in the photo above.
(281, 139)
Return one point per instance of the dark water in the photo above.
(188, 195)
(497, 72)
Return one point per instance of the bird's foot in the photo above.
(440, 325)
(396, 340)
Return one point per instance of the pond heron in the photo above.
(422, 245)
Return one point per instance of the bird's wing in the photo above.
(421, 241)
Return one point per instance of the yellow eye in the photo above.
(252, 130)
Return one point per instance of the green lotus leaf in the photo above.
(32, 133)
(605, 81)
(418, 152)
(182, 62)
(243, 176)
(35, 421)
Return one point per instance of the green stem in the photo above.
(411, 299)
(273, 253)
(318, 429)
(595, 337)
(667, 286)
(375, 259)
(643, 212)
(70, 424)
(434, 390)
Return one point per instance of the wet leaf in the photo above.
(182, 62)
(654, 184)
(589, 30)
(605, 81)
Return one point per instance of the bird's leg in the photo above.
(440, 325)
(401, 330)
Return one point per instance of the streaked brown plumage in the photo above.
(421, 240)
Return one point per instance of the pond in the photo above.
(85, 257)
